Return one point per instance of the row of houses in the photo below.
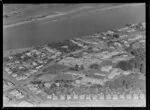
(88, 59)
(22, 69)
(86, 62)
(15, 94)
(97, 97)
(7, 84)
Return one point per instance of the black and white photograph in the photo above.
(74, 54)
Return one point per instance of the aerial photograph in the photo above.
(74, 55)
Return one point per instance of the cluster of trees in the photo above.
(140, 59)
(58, 46)
(65, 87)
(124, 65)
(125, 82)
(132, 64)
(112, 37)
(115, 35)
(139, 53)
(139, 62)
(75, 55)
(94, 66)
(18, 56)
(77, 68)
(140, 26)
(71, 90)
(19, 71)
(128, 25)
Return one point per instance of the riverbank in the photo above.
(15, 51)
(59, 14)
(70, 26)
(44, 15)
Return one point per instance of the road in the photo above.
(20, 85)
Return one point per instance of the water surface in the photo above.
(46, 31)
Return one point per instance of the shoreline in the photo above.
(15, 51)
(18, 50)
(67, 13)
(35, 19)
(38, 18)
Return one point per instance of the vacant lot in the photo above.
(55, 68)
(47, 77)
(64, 77)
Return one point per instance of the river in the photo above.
(84, 23)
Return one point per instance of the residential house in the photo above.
(23, 77)
(101, 96)
(106, 68)
(123, 29)
(114, 72)
(16, 93)
(8, 70)
(115, 97)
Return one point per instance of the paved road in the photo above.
(18, 86)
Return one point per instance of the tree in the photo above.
(82, 67)
(124, 65)
(90, 49)
(94, 66)
(75, 68)
(128, 25)
(115, 35)
(36, 82)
